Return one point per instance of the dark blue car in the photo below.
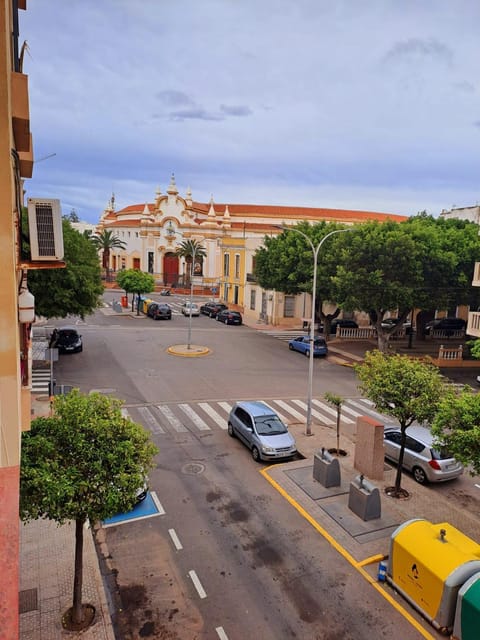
(302, 344)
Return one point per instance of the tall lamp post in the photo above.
(192, 267)
(315, 251)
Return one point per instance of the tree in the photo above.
(135, 281)
(456, 427)
(73, 290)
(105, 241)
(73, 216)
(285, 263)
(406, 389)
(191, 250)
(84, 463)
(337, 402)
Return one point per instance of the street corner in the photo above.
(188, 351)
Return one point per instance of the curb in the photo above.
(182, 350)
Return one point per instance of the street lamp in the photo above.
(315, 251)
(192, 266)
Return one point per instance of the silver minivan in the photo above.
(426, 463)
(261, 430)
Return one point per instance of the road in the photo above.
(229, 558)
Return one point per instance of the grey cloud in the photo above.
(174, 98)
(416, 48)
(195, 113)
(235, 110)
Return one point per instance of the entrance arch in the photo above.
(170, 269)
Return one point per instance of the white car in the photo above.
(190, 309)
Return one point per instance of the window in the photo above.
(289, 307)
(226, 264)
(253, 294)
(235, 294)
(237, 265)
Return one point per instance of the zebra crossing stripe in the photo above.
(323, 419)
(288, 409)
(125, 413)
(150, 420)
(196, 419)
(226, 406)
(377, 416)
(222, 423)
(350, 411)
(171, 418)
(331, 411)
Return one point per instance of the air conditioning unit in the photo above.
(45, 226)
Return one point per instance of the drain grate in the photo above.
(27, 600)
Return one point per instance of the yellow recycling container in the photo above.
(428, 563)
(145, 304)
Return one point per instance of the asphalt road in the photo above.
(248, 565)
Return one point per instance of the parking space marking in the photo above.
(175, 539)
(197, 584)
(221, 633)
(194, 417)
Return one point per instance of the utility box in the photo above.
(428, 564)
(364, 499)
(326, 469)
(467, 614)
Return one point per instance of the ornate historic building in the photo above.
(230, 233)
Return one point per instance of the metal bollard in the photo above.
(382, 571)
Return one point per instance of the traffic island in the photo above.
(184, 350)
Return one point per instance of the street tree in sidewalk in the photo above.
(285, 263)
(404, 388)
(84, 463)
(74, 290)
(136, 282)
(456, 427)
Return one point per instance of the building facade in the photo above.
(230, 235)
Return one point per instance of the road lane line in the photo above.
(175, 539)
(346, 555)
(222, 423)
(197, 584)
(221, 633)
(195, 418)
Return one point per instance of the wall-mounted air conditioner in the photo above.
(45, 226)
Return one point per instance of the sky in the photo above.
(352, 104)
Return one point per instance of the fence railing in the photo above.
(362, 333)
(450, 353)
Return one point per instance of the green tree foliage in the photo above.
(192, 251)
(84, 463)
(105, 241)
(74, 290)
(135, 281)
(406, 389)
(285, 263)
(456, 426)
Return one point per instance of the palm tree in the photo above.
(191, 250)
(105, 241)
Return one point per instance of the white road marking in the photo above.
(222, 423)
(172, 418)
(158, 504)
(196, 419)
(175, 540)
(290, 410)
(150, 420)
(377, 416)
(197, 584)
(125, 413)
(226, 406)
(315, 414)
(477, 485)
(221, 633)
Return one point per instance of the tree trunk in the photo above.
(398, 476)
(77, 611)
(383, 340)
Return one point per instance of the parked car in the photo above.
(261, 430)
(446, 324)
(342, 322)
(228, 316)
(66, 340)
(211, 309)
(190, 309)
(388, 323)
(426, 463)
(159, 311)
(302, 344)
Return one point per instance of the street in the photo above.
(229, 558)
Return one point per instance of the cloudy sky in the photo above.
(357, 104)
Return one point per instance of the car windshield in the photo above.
(270, 426)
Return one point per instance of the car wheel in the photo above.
(419, 475)
(290, 346)
(307, 353)
(231, 432)
(255, 454)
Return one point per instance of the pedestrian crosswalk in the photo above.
(183, 417)
(40, 380)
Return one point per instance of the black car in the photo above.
(448, 325)
(159, 311)
(212, 308)
(66, 340)
(343, 323)
(228, 316)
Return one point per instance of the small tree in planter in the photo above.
(337, 402)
